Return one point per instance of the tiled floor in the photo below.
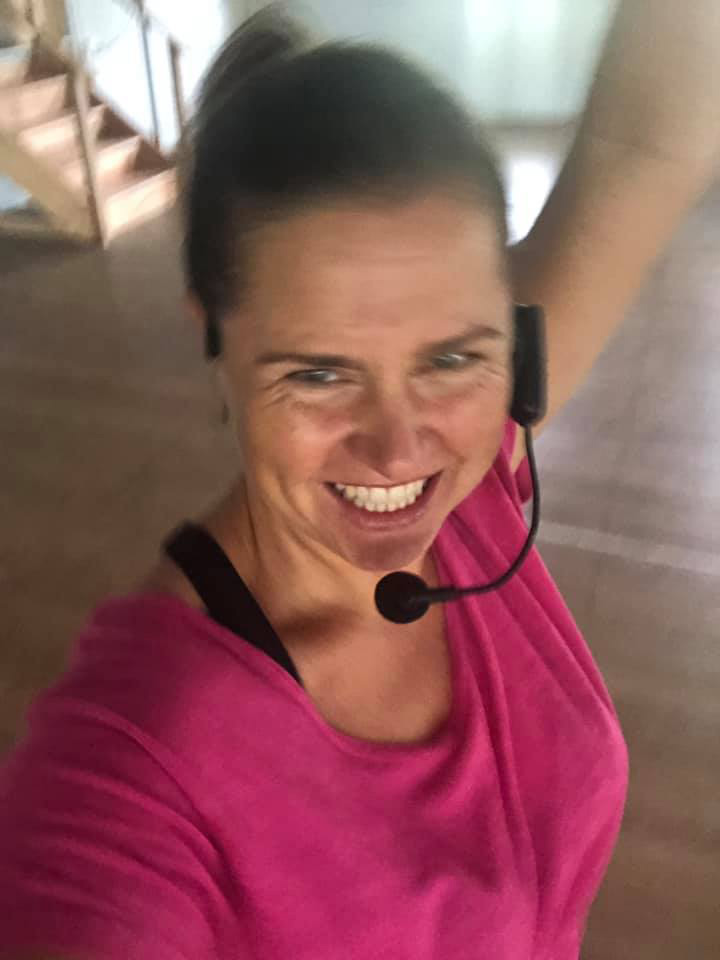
(110, 432)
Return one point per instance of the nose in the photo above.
(389, 437)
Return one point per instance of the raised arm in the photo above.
(647, 147)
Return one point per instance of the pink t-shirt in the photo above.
(179, 796)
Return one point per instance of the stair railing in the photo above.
(35, 15)
(148, 21)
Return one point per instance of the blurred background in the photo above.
(110, 425)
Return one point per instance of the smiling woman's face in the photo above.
(371, 351)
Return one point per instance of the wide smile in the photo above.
(384, 507)
(382, 499)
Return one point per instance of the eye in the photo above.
(314, 378)
(455, 361)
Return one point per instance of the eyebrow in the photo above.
(472, 334)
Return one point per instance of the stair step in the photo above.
(127, 177)
(61, 131)
(114, 155)
(27, 62)
(32, 102)
(138, 195)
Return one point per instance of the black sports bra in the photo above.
(223, 591)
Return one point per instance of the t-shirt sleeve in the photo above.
(103, 856)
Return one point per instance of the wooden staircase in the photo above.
(89, 173)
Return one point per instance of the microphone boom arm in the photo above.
(403, 597)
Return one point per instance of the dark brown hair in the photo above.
(281, 123)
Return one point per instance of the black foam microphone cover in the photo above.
(398, 597)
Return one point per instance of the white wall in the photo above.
(513, 60)
(517, 60)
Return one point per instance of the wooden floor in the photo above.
(110, 432)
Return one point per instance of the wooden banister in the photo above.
(81, 94)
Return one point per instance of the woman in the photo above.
(245, 759)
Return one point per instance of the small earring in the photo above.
(225, 415)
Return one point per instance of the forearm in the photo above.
(657, 81)
(610, 215)
(646, 149)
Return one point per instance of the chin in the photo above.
(384, 558)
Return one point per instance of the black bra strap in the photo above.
(223, 591)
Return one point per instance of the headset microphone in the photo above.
(403, 597)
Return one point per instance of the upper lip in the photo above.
(386, 486)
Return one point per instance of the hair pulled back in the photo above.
(281, 123)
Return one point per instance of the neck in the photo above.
(296, 581)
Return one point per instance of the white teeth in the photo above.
(382, 499)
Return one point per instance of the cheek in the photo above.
(473, 430)
(472, 442)
(472, 417)
(297, 438)
(301, 439)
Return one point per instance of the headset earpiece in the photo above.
(529, 402)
